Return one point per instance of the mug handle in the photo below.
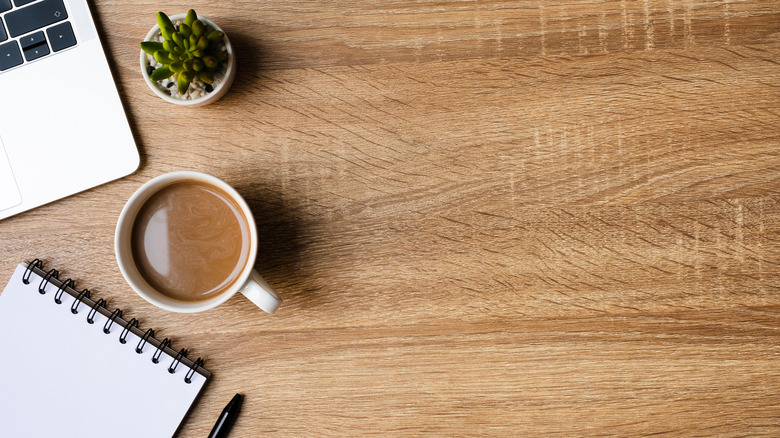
(261, 293)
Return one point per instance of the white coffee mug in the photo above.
(249, 282)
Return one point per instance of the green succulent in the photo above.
(187, 52)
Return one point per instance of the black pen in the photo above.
(227, 418)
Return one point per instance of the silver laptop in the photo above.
(62, 125)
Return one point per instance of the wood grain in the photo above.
(486, 218)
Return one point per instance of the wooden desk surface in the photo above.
(485, 218)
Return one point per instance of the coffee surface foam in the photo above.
(190, 241)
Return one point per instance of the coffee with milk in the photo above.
(190, 241)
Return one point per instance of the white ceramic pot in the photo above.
(208, 98)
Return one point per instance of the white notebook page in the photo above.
(63, 377)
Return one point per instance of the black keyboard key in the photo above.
(3, 36)
(32, 39)
(5, 5)
(61, 36)
(22, 2)
(35, 16)
(10, 56)
(36, 52)
(34, 45)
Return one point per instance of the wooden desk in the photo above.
(485, 218)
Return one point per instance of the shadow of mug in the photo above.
(282, 244)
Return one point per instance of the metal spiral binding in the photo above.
(53, 273)
(91, 315)
(176, 360)
(117, 313)
(74, 308)
(142, 343)
(191, 372)
(156, 356)
(30, 267)
(61, 290)
(123, 336)
(99, 305)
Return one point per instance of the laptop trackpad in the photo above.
(9, 192)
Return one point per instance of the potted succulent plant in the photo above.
(187, 60)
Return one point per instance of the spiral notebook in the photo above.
(70, 367)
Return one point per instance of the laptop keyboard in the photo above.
(26, 31)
